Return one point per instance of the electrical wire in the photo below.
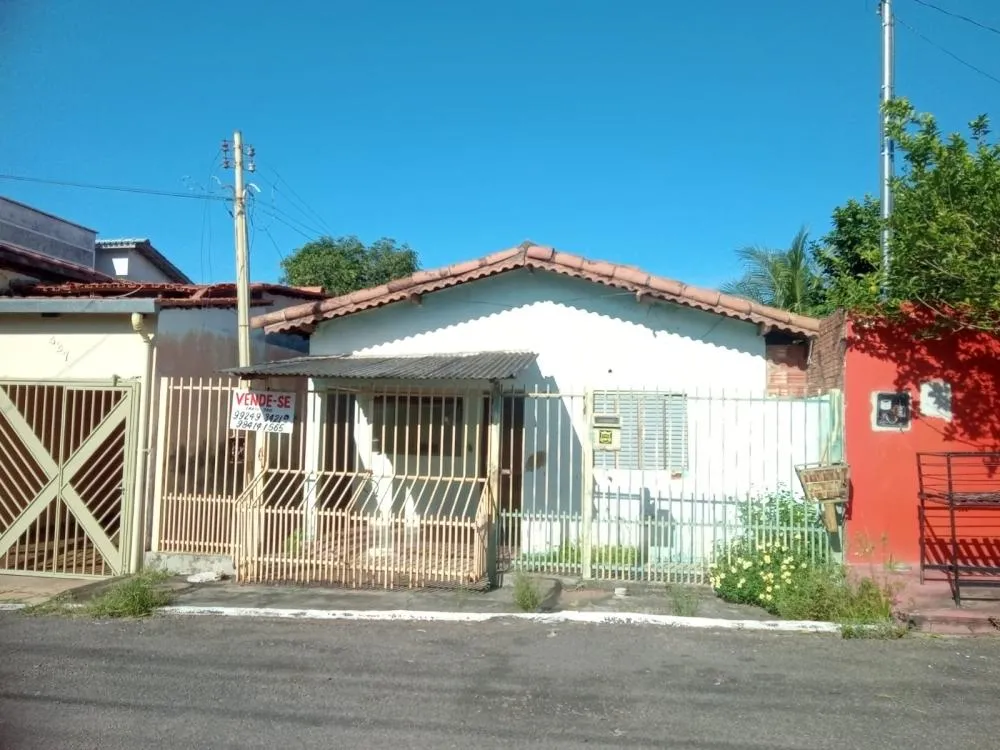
(304, 207)
(953, 14)
(282, 217)
(114, 188)
(946, 51)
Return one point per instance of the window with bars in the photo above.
(417, 425)
(654, 431)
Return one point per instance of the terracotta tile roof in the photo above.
(46, 267)
(304, 317)
(169, 295)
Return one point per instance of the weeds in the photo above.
(136, 596)
(684, 601)
(526, 593)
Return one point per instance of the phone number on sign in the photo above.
(259, 425)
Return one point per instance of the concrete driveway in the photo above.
(231, 683)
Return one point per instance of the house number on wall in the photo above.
(62, 350)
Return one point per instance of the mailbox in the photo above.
(607, 430)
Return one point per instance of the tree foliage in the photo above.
(345, 264)
(944, 230)
(785, 278)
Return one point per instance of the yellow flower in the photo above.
(788, 560)
(767, 559)
(739, 583)
(769, 589)
(745, 564)
(802, 566)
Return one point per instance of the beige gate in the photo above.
(66, 477)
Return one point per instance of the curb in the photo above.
(593, 618)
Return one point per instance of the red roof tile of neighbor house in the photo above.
(46, 267)
(168, 294)
(304, 317)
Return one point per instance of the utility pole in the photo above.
(888, 66)
(242, 255)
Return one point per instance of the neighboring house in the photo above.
(600, 395)
(907, 394)
(136, 260)
(79, 388)
(83, 358)
(38, 246)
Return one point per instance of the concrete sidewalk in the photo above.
(556, 595)
(30, 590)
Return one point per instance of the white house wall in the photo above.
(588, 336)
(78, 347)
(139, 267)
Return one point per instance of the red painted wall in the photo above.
(882, 513)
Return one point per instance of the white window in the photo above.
(654, 431)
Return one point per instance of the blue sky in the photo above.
(662, 134)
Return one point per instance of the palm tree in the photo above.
(784, 279)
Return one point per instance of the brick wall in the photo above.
(786, 367)
(825, 369)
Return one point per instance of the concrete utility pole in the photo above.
(242, 255)
(888, 65)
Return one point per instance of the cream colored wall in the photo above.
(79, 347)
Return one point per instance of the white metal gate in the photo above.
(66, 477)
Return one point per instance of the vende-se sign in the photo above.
(262, 411)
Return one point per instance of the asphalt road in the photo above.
(227, 683)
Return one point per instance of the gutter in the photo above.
(77, 306)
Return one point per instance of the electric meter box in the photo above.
(607, 429)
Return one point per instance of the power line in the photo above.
(113, 188)
(308, 235)
(953, 14)
(304, 207)
(947, 51)
(306, 230)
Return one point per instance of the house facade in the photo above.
(602, 415)
(84, 354)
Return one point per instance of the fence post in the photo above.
(493, 474)
(160, 454)
(312, 446)
(587, 489)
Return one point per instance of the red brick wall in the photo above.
(827, 358)
(786, 368)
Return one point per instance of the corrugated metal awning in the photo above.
(477, 366)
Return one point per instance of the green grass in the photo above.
(134, 596)
(684, 601)
(526, 593)
(862, 607)
(572, 554)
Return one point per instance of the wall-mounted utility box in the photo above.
(891, 410)
(607, 430)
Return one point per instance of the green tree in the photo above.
(944, 230)
(786, 279)
(849, 256)
(345, 264)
